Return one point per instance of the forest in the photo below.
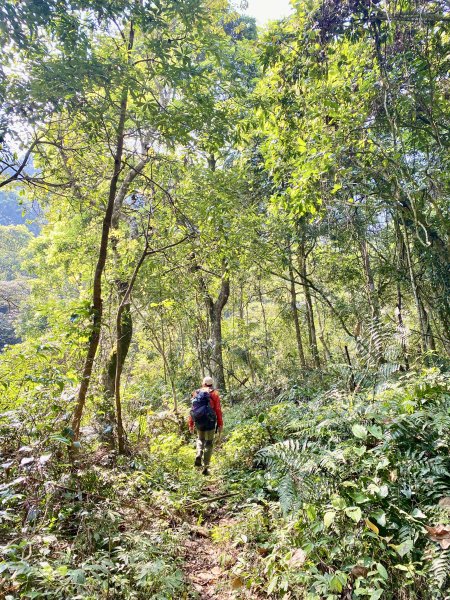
(187, 195)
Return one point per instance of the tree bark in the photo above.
(298, 333)
(414, 287)
(122, 336)
(370, 283)
(215, 316)
(309, 307)
(401, 325)
(108, 421)
(97, 300)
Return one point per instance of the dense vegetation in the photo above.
(184, 195)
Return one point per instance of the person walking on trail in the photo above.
(206, 417)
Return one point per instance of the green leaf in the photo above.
(382, 571)
(338, 502)
(329, 517)
(359, 431)
(354, 512)
(403, 548)
(380, 517)
(77, 576)
(359, 497)
(384, 491)
(376, 431)
(337, 582)
(272, 585)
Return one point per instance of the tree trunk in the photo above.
(309, 307)
(121, 342)
(266, 330)
(108, 420)
(124, 335)
(97, 300)
(370, 284)
(414, 287)
(215, 315)
(216, 356)
(402, 326)
(298, 333)
(327, 356)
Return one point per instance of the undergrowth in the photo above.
(329, 495)
(351, 493)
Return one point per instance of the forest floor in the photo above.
(207, 556)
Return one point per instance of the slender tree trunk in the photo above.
(216, 356)
(309, 307)
(108, 420)
(266, 330)
(97, 300)
(298, 333)
(122, 347)
(214, 311)
(120, 361)
(414, 287)
(352, 382)
(431, 344)
(402, 325)
(370, 284)
(215, 316)
(326, 350)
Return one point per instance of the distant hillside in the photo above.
(16, 211)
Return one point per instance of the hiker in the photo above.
(206, 417)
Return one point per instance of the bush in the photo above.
(363, 483)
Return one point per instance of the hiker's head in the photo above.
(208, 382)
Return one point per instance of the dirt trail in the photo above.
(206, 563)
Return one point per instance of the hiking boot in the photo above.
(198, 461)
(205, 471)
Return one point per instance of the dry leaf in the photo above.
(216, 571)
(237, 582)
(199, 530)
(204, 576)
(393, 476)
(372, 526)
(444, 502)
(298, 558)
(359, 571)
(440, 534)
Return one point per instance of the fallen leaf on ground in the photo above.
(237, 582)
(445, 502)
(298, 558)
(201, 531)
(440, 534)
(359, 571)
(204, 576)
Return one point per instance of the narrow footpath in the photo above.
(207, 561)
